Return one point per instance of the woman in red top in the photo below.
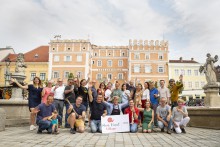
(101, 90)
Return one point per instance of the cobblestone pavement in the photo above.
(21, 136)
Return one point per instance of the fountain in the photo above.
(209, 115)
(16, 108)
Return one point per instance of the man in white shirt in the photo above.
(164, 91)
(58, 91)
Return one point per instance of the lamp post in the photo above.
(7, 74)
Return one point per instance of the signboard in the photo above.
(115, 123)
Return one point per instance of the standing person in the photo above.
(70, 95)
(138, 95)
(148, 118)
(98, 110)
(163, 91)
(76, 86)
(83, 91)
(108, 91)
(44, 112)
(47, 91)
(154, 100)
(58, 91)
(101, 89)
(180, 117)
(164, 115)
(133, 113)
(115, 108)
(174, 90)
(125, 95)
(145, 97)
(77, 113)
(117, 92)
(94, 91)
(34, 97)
(132, 88)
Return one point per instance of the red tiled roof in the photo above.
(182, 61)
(40, 54)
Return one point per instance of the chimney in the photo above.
(181, 59)
(192, 59)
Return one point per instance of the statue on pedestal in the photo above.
(209, 69)
(20, 66)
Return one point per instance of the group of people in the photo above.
(146, 106)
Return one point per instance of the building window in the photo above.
(55, 74)
(56, 58)
(147, 56)
(33, 75)
(68, 49)
(123, 54)
(93, 62)
(148, 69)
(54, 49)
(99, 63)
(202, 84)
(109, 54)
(189, 84)
(136, 68)
(79, 73)
(109, 63)
(43, 76)
(83, 48)
(67, 58)
(99, 76)
(136, 56)
(79, 58)
(176, 72)
(160, 69)
(66, 74)
(109, 76)
(160, 56)
(120, 76)
(196, 72)
(95, 54)
(189, 72)
(120, 63)
(196, 84)
(182, 72)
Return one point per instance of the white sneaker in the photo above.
(32, 127)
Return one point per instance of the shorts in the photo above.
(79, 123)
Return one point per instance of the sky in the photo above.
(192, 27)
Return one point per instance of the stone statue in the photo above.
(20, 66)
(209, 69)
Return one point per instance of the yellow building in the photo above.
(193, 80)
(36, 61)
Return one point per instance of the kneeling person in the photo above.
(77, 113)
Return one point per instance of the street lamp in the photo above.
(7, 74)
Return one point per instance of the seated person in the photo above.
(133, 113)
(44, 111)
(77, 113)
(54, 121)
(180, 117)
(164, 115)
(115, 108)
(98, 109)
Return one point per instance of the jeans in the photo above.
(183, 122)
(154, 106)
(133, 128)
(66, 115)
(45, 125)
(161, 125)
(96, 126)
(59, 106)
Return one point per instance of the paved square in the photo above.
(21, 136)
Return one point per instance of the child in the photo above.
(54, 121)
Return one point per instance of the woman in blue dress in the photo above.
(34, 96)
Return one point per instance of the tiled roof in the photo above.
(182, 61)
(40, 54)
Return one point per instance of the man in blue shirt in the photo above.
(44, 112)
(154, 100)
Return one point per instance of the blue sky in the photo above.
(192, 27)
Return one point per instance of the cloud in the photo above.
(192, 27)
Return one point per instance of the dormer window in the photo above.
(36, 56)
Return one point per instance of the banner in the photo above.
(115, 123)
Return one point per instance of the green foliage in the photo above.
(71, 76)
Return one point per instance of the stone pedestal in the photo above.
(17, 112)
(16, 91)
(212, 96)
(2, 119)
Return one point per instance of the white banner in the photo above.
(115, 123)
